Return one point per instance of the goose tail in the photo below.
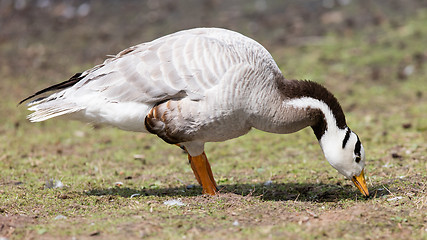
(49, 103)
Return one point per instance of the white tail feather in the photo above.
(47, 110)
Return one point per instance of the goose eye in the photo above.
(358, 158)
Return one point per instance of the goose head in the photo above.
(346, 154)
(341, 146)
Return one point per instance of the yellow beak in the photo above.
(360, 183)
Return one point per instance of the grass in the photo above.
(307, 198)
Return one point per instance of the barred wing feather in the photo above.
(184, 64)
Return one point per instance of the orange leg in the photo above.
(202, 171)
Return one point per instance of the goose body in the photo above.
(203, 85)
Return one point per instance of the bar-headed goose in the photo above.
(203, 85)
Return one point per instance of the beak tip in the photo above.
(360, 183)
(366, 195)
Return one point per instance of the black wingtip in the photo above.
(27, 98)
(70, 82)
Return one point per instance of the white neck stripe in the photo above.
(308, 102)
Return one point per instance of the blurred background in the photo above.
(46, 36)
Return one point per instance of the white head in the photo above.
(344, 151)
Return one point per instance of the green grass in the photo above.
(307, 200)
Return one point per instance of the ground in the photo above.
(62, 180)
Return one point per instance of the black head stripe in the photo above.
(357, 147)
(347, 136)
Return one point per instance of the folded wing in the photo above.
(184, 64)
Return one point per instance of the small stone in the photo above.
(268, 183)
(60, 217)
(139, 156)
(394, 199)
(174, 202)
(408, 70)
(387, 165)
(53, 184)
(79, 134)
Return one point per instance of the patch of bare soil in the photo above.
(8, 224)
(251, 211)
